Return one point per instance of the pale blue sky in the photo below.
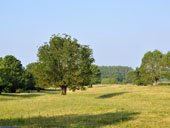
(118, 31)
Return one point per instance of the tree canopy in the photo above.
(151, 67)
(13, 75)
(66, 63)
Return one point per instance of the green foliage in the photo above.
(109, 81)
(12, 75)
(95, 76)
(2, 73)
(65, 63)
(134, 77)
(39, 77)
(151, 67)
(166, 66)
(138, 80)
(131, 76)
(117, 72)
(29, 83)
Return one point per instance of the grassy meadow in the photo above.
(104, 106)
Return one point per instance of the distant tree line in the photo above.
(155, 66)
(114, 74)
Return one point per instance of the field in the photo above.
(104, 106)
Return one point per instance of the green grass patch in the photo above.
(119, 106)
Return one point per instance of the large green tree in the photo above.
(66, 64)
(151, 67)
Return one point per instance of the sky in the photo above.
(120, 32)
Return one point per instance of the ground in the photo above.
(104, 106)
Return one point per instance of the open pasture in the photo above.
(104, 106)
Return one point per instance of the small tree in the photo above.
(66, 64)
(151, 67)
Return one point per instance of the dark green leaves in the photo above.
(12, 75)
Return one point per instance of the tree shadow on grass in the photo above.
(57, 89)
(65, 121)
(20, 95)
(111, 95)
(6, 99)
(51, 91)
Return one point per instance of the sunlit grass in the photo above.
(103, 106)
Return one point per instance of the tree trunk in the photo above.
(38, 89)
(156, 82)
(90, 86)
(13, 90)
(63, 90)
